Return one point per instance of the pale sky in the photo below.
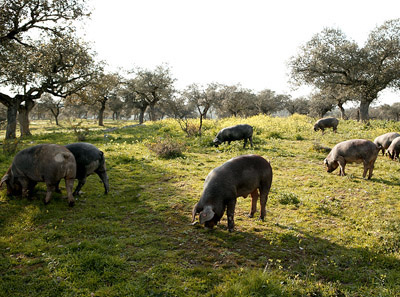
(226, 41)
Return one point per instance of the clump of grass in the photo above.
(10, 146)
(298, 137)
(288, 198)
(167, 148)
(320, 148)
(80, 132)
(274, 134)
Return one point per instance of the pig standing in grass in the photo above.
(385, 140)
(89, 160)
(237, 132)
(355, 150)
(237, 177)
(394, 149)
(47, 163)
(325, 123)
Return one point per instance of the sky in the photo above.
(246, 42)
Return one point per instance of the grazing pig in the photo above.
(237, 132)
(394, 149)
(89, 159)
(355, 150)
(324, 123)
(237, 177)
(47, 163)
(385, 140)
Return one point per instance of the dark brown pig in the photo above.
(355, 150)
(47, 163)
(233, 133)
(237, 177)
(89, 160)
(394, 149)
(325, 123)
(385, 140)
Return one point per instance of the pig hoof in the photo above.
(58, 191)
(250, 215)
(71, 203)
(231, 230)
(46, 202)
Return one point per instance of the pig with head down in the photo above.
(233, 133)
(355, 150)
(394, 149)
(325, 123)
(385, 140)
(237, 177)
(47, 163)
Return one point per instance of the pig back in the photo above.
(237, 132)
(355, 150)
(88, 158)
(45, 162)
(327, 123)
(239, 177)
(386, 139)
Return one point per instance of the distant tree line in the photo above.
(51, 73)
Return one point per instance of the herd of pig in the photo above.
(240, 176)
(49, 163)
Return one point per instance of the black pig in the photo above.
(89, 159)
(325, 123)
(237, 177)
(237, 132)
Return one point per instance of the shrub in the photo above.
(10, 146)
(167, 148)
(288, 198)
(274, 134)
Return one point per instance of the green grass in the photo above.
(324, 235)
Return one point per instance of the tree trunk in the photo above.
(23, 117)
(201, 123)
(141, 114)
(12, 110)
(101, 113)
(364, 111)
(152, 112)
(342, 111)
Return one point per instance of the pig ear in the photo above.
(5, 178)
(206, 215)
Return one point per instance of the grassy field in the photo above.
(324, 235)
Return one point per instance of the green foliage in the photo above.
(166, 148)
(288, 198)
(323, 235)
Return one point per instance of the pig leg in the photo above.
(58, 188)
(104, 178)
(231, 213)
(31, 187)
(254, 198)
(50, 189)
(342, 165)
(81, 182)
(264, 191)
(371, 169)
(244, 143)
(251, 141)
(25, 187)
(69, 184)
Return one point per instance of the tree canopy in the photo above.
(331, 60)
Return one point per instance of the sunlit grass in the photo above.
(324, 235)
